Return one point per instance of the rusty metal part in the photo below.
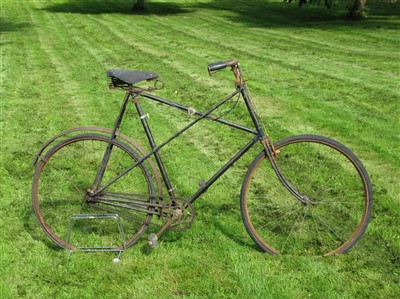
(186, 217)
(181, 217)
(236, 72)
(179, 209)
(167, 224)
(129, 140)
(268, 142)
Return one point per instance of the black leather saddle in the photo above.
(124, 77)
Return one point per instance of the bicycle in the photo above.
(305, 194)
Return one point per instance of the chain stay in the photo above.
(179, 210)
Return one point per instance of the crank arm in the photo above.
(153, 238)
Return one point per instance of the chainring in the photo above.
(186, 219)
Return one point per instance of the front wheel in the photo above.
(336, 197)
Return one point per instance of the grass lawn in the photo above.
(310, 71)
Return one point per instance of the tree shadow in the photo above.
(7, 26)
(384, 8)
(278, 14)
(110, 7)
(252, 13)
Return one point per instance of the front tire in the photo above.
(337, 192)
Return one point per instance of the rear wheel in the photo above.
(336, 193)
(61, 188)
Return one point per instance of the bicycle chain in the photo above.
(183, 222)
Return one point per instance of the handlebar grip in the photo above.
(212, 67)
(216, 66)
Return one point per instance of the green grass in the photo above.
(309, 70)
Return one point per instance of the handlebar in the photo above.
(233, 63)
(216, 66)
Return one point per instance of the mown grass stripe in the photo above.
(150, 46)
(329, 39)
(304, 57)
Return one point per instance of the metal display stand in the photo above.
(90, 248)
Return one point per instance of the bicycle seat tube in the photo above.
(153, 145)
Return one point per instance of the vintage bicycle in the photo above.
(305, 194)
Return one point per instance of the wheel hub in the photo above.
(88, 197)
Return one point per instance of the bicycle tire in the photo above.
(337, 192)
(65, 173)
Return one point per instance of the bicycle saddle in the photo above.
(130, 77)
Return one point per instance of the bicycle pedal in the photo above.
(153, 240)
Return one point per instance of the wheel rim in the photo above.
(338, 206)
(60, 187)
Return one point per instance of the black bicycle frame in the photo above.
(203, 115)
(258, 133)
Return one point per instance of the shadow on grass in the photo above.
(7, 26)
(238, 239)
(110, 7)
(222, 217)
(253, 13)
(32, 226)
(277, 14)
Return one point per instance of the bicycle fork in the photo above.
(268, 146)
(271, 153)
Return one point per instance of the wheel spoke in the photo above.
(333, 182)
(329, 228)
(65, 177)
(67, 171)
(291, 230)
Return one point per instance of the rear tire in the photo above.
(65, 174)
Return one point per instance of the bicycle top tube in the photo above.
(193, 111)
(212, 68)
(125, 79)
